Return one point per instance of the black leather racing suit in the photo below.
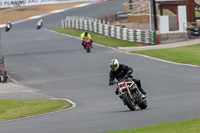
(123, 72)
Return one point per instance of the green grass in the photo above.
(197, 14)
(2, 9)
(189, 126)
(101, 39)
(18, 108)
(187, 54)
(166, 12)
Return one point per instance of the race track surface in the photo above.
(57, 66)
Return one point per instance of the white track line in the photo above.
(78, 38)
(166, 61)
(153, 58)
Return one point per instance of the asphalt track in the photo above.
(57, 66)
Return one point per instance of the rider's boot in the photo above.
(117, 91)
(120, 97)
(140, 88)
(83, 46)
(143, 96)
(143, 93)
(91, 43)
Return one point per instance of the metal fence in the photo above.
(98, 26)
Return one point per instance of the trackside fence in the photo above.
(98, 26)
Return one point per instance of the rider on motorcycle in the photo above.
(40, 23)
(121, 71)
(85, 34)
(8, 26)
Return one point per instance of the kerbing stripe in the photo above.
(52, 12)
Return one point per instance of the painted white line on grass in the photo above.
(78, 38)
(153, 58)
(181, 64)
(73, 105)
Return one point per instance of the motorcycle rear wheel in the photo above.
(129, 102)
(191, 34)
(143, 105)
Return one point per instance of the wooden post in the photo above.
(190, 4)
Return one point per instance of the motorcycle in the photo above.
(193, 32)
(8, 27)
(38, 27)
(130, 94)
(87, 44)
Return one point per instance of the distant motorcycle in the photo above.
(193, 32)
(8, 27)
(38, 27)
(87, 44)
(39, 24)
(130, 94)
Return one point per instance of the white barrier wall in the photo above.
(164, 24)
(13, 3)
(144, 36)
(182, 21)
(182, 18)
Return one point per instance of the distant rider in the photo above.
(8, 26)
(40, 23)
(85, 34)
(121, 71)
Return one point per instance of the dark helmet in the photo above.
(86, 32)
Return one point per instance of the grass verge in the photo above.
(18, 108)
(187, 54)
(188, 126)
(101, 39)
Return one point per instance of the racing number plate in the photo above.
(121, 85)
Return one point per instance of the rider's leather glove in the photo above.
(111, 83)
(117, 91)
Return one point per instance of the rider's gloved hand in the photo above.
(111, 83)
(117, 91)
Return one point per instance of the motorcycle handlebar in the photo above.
(119, 80)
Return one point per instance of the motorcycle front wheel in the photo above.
(129, 102)
(88, 49)
(38, 27)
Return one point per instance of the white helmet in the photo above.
(114, 64)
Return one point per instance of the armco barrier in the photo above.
(90, 24)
